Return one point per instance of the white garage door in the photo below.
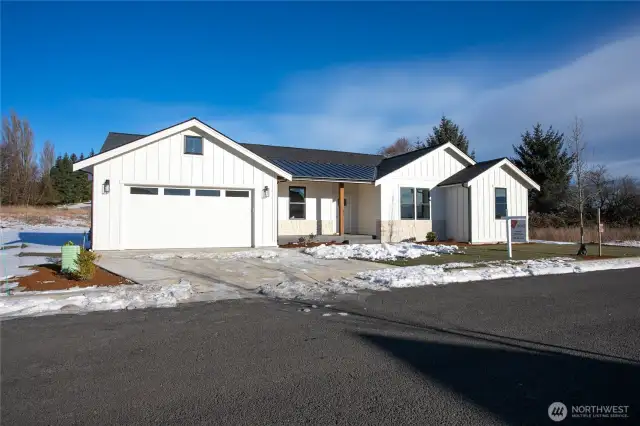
(162, 217)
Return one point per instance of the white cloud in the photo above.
(363, 107)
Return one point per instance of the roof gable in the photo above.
(466, 176)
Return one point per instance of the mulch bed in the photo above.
(49, 277)
(312, 244)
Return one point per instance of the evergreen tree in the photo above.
(447, 131)
(543, 157)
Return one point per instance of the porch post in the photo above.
(341, 207)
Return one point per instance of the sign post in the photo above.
(600, 231)
(516, 231)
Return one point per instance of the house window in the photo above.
(143, 191)
(407, 203)
(423, 210)
(177, 191)
(501, 202)
(236, 194)
(193, 145)
(207, 192)
(297, 202)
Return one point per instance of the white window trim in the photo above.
(415, 202)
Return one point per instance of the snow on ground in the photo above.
(94, 299)
(382, 251)
(629, 243)
(414, 276)
(20, 238)
(562, 243)
(84, 205)
(230, 255)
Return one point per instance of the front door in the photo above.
(347, 217)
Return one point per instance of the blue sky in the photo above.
(348, 76)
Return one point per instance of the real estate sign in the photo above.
(519, 230)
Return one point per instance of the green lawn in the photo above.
(520, 252)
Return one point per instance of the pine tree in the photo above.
(543, 157)
(447, 131)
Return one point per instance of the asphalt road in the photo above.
(494, 352)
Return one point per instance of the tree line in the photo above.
(30, 178)
(571, 188)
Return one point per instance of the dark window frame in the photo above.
(207, 193)
(186, 138)
(143, 190)
(180, 192)
(298, 203)
(428, 203)
(237, 193)
(496, 203)
(413, 203)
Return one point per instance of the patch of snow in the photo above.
(422, 275)
(84, 205)
(94, 299)
(343, 314)
(628, 243)
(326, 315)
(248, 254)
(562, 243)
(382, 251)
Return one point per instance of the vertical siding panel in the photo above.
(164, 154)
(152, 161)
(140, 165)
(115, 222)
(218, 167)
(127, 167)
(247, 179)
(175, 159)
(196, 169)
(207, 163)
(227, 165)
(238, 170)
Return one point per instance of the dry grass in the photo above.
(590, 235)
(45, 215)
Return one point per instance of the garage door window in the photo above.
(207, 193)
(237, 194)
(177, 191)
(143, 191)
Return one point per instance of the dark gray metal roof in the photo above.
(465, 175)
(115, 140)
(272, 152)
(388, 165)
(307, 169)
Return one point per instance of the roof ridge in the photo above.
(312, 149)
(130, 134)
(412, 151)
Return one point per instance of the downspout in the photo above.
(470, 215)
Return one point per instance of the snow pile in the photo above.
(248, 254)
(94, 299)
(382, 251)
(561, 243)
(629, 243)
(414, 276)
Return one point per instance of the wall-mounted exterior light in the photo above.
(265, 192)
(106, 186)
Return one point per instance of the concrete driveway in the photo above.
(217, 274)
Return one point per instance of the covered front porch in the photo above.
(331, 210)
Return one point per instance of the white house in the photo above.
(190, 186)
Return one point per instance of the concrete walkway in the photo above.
(227, 273)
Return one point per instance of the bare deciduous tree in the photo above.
(400, 146)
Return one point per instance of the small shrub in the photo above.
(69, 243)
(86, 267)
(409, 240)
(431, 237)
(302, 240)
(310, 238)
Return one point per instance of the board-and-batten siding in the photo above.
(484, 226)
(425, 172)
(163, 163)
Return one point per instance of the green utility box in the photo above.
(69, 258)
